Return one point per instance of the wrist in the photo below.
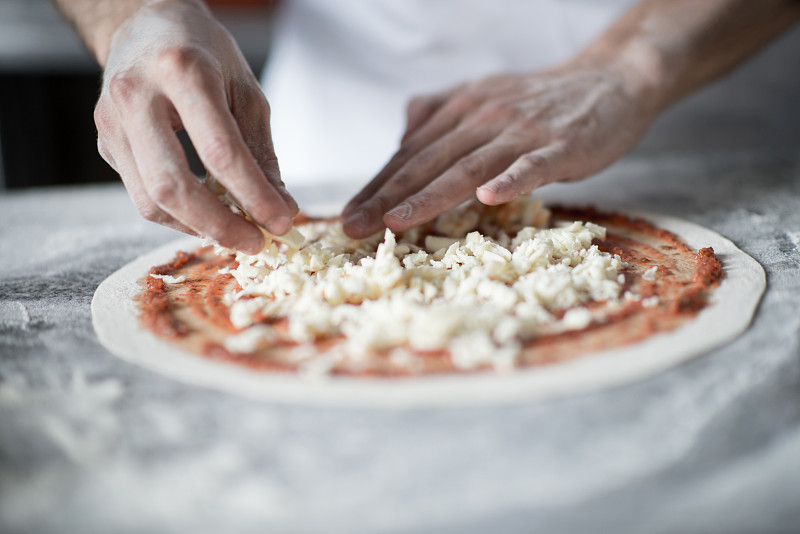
(111, 18)
(642, 69)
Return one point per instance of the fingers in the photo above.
(251, 112)
(113, 146)
(420, 109)
(454, 186)
(165, 176)
(534, 169)
(544, 127)
(200, 100)
(149, 209)
(462, 148)
(415, 175)
(443, 121)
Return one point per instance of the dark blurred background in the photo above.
(49, 85)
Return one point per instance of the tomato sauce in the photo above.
(195, 314)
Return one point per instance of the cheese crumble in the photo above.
(168, 279)
(455, 290)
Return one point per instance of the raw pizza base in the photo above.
(729, 312)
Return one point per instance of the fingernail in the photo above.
(488, 195)
(252, 245)
(356, 220)
(279, 225)
(287, 197)
(292, 203)
(402, 211)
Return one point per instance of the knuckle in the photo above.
(472, 167)
(575, 147)
(250, 99)
(220, 232)
(524, 139)
(496, 110)
(166, 191)
(523, 176)
(189, 67)
(122, 87)
(465, 101)
(512, 181)
(384, 201)
(105, 131)
(381, 202)
(102, 120)
(268, 162)
(260, 104)
(426, 201)
(419, 162)
(258, 113)
(260, 146)
(181, 59)
(398, 187)
(218, 154)
(261, 210)
(529, 122)
(532, 162)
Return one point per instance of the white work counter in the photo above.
(89, 443)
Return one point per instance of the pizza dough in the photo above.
(731, 307)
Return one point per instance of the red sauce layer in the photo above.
(194, 315)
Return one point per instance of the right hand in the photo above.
(171, 66)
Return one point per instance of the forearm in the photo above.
(673, 47)
(96, 21)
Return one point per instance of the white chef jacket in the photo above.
(341, 73)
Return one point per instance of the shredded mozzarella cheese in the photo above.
(292, 238)
(169, 279)
(650, 274)
(460, 291)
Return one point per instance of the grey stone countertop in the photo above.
(89, 443)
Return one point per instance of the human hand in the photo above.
(502, 137)
(171, 66)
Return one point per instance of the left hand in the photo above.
(502, 137)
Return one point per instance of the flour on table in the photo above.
(116, 321)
